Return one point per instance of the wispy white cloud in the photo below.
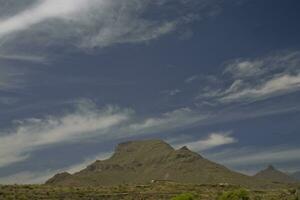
(191, 79)
(41, 11)
(212, 141)
(172, 92)
(250, 80)
(278, 85)
(253, 156)
(27, 58)
(32, 134)
(267, 65)
(93, 23)
(176, 119)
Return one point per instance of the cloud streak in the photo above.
(256, 156)
(33, 134)
(212, 141)
(250, 80)
(87, 24)
(26, 58)
(279, 85)
(173, 120)
(41, 11)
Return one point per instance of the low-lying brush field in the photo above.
(156, 191)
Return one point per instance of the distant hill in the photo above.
(140, 162)
(274, 175)
(296, 176)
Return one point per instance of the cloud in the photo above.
(191, 79)
(41, 11)
(173, 92)
(27, 58)
(32, 134)
(283, 61)
(250, 80)
(173, 120)
(251, 156)
(282, 84)
(213, 140)
(87, 24)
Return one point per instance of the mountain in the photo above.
(140, 162)
(296, 176)
(274, 175)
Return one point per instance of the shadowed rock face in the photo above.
(272, 174)
(139, 162)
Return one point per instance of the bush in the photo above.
(240, 194)
(185, 196)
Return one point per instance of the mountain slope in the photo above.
(139, 162)
(296, 175)
(274, 175)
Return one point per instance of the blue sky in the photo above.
(79, 76)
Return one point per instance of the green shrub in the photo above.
(239, 194)
(185, 196)
(257, 198)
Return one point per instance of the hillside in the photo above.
(140, 162)
(274, 175)
(296, 176)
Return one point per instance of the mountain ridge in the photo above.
(274, 175)
(140, 162)
(296, 175)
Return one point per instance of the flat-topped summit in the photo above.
(140, 162)
(139, 149)
(145, 144)
(275, 175)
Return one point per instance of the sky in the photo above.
(77, 77)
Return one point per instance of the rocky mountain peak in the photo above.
(184, 148)
(275, 175)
